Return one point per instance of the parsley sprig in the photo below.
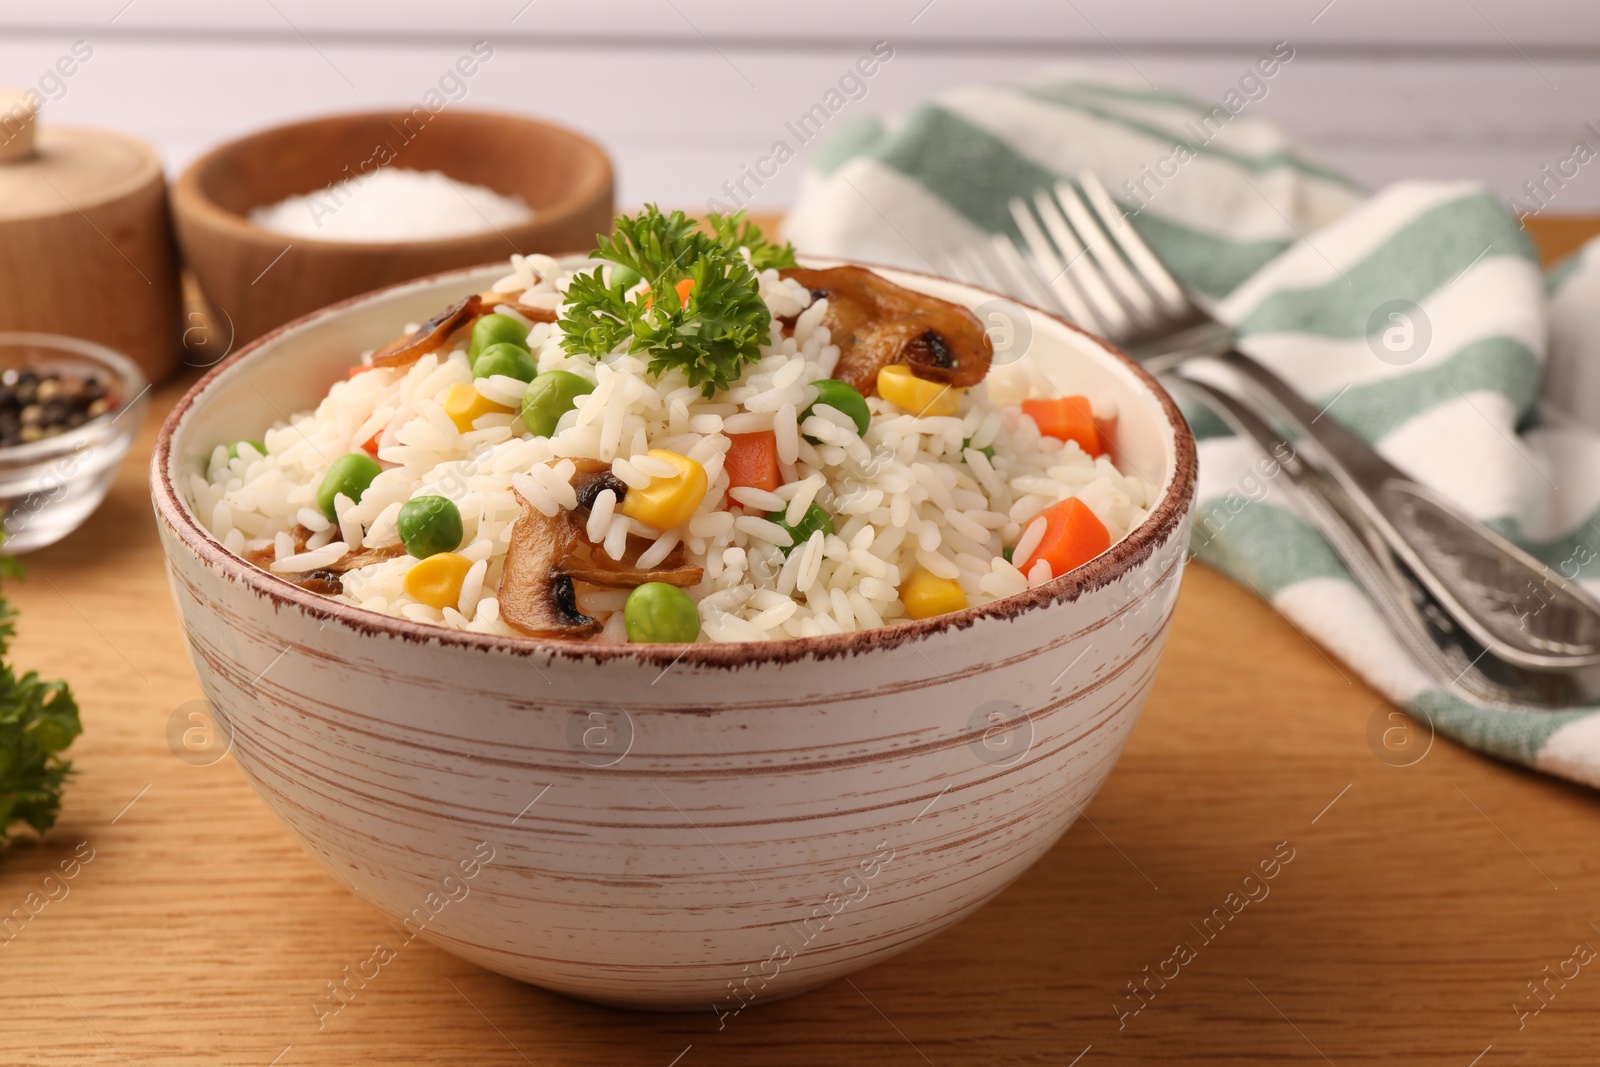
(735, 232)
(38, 720)
(710, 334)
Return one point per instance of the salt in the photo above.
(393, 204)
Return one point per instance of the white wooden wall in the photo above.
(683, 92)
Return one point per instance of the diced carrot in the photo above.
(370, 446)
(1073, 535)
(682, 289)
(752, 459)
(1068, 418)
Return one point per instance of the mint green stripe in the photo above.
(1204, 423)
(970, 169)
(1274, 160)
(1265, 547)
(1212, 266)
(1425, 254)
(1509, 735)
(1496, 364)
(854, 138)
(977, 174)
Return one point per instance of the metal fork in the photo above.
(1082, 257)
(1454, 662)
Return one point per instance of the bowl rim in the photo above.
(131, 381)
(1162, 523)
(190, 198)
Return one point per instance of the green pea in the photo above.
(493, 330)
(987, 450)
(430, 525)
(657, 612)
(504, 358)
(550, 396)
(841, 397)
(233, 449)
(813, 520)
(626, 277)
(349, 475)
(1005, 554)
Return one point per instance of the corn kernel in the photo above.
(926, 595)
(900, 387)
(667, 502)
(464, 404)
(436, 581)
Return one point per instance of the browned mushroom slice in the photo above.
(593, 477)
(364, 557)
(262, 557)
(429, 336)
(876, 323)
(536, 595)
(548, 553)
(492, 300)
(590, 564)
(325, 580)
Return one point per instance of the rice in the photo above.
(945, 494)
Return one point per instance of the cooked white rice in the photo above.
(906, 495)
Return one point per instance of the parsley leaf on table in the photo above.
(38, 720)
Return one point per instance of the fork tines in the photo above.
(1081, 256)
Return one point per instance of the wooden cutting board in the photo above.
(1418, 903)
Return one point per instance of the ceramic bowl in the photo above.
(256, 279)
(698, 827)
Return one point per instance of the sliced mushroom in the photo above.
(324, 580)
(590, 564)
(876, 323)
(429, 336)
(262, 557)
(492, 300)
(363, 557)
(594, 477)
(536, 595)
(432, 334)
(549, 552)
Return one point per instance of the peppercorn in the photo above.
(35, 405)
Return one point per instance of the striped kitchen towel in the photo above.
(1486, 387)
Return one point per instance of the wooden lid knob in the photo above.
(17, 112)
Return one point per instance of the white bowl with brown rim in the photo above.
(701, 827)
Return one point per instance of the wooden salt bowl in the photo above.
(256, 279)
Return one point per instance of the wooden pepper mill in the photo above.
(86, 243)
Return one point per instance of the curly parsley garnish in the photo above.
(709, 328)
(38, 720)
(735, 232)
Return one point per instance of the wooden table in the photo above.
(1419, 902)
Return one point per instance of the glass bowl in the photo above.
(49, 486)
